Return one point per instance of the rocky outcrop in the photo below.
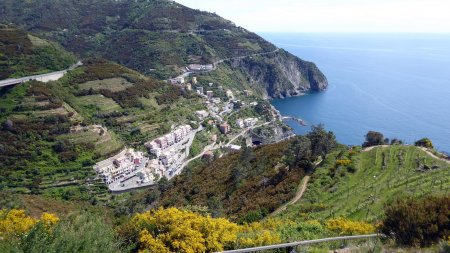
(281, 74)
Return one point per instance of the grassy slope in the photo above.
(362, 195)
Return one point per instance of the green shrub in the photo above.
(77, 233)
(418, 222)
(425, 142)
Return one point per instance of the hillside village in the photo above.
(167, 155)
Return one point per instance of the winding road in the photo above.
(187, 73)
(43, 78)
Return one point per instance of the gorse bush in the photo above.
(418, 222)
(15, 223)
(174, 230)
(343, 162)
(348, 227)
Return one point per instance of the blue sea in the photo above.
(395, 84)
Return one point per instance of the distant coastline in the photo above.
(376, 82)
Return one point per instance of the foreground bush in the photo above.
(174, 230)
(419, 222)
(77, 233)
(15, 223)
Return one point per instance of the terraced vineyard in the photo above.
(373, 179)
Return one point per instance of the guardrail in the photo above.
(300, 243)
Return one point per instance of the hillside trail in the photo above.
(299, 194)
(422, 148)
(297, 197)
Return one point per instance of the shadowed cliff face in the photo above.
(281, 75)
(160, 37)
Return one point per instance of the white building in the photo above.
(249, 122)
(201, 115)
(234, 147)
(119, 166)
(177, 80)
(240, 123)
(159, 145)
(229, 94)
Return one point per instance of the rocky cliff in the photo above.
(280, 74)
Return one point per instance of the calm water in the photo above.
(395, 84)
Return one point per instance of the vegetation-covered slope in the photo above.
(251, 184)
(358, 184)
(22, 54)
(52, 134)
(159, 37)
(246, 185)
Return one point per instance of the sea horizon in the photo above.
(396, 84)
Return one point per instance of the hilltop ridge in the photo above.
(159, 38)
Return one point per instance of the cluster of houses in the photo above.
(121, 166)
(160, 144)
(167, 149)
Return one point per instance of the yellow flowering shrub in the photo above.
(174, 230)
(49, 220)
(15, 223)
(258, 233)
(151, 244)
(348, 227)
(343, 162)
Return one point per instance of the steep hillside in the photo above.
(52, 134)
(244, 186)
(358, 184)
(161, 37)
(23, 54)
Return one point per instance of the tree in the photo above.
(163, 184)
(424, 142)
(322, 142)
(374, 139)
(300, 153)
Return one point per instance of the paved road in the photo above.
(245, 56)
(186, 74)
(210, 147)
(9, 82)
